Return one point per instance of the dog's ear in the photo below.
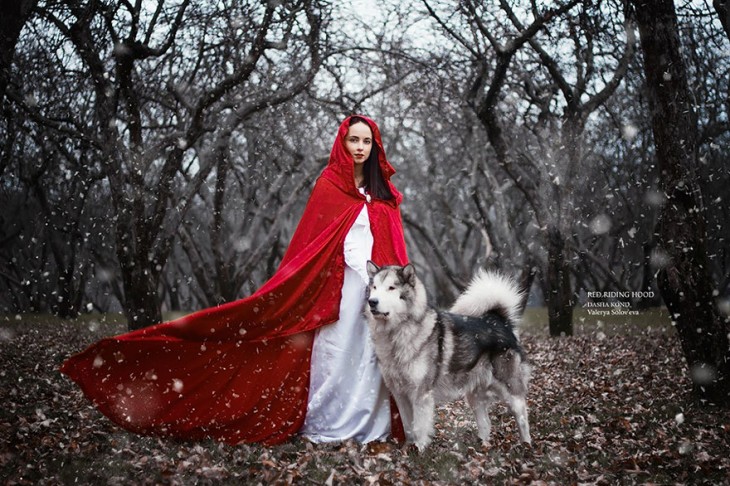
(372, 268)
(408, 275)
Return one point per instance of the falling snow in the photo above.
(80, 193)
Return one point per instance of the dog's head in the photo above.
(391, 291)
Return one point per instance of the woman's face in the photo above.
(359, 142)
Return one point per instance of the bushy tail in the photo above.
(491, 292)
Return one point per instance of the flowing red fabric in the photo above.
(239, 372)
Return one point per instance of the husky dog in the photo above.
(428, 356)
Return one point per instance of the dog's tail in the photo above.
(491, 292)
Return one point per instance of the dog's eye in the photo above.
(391, 288)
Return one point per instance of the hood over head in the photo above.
(340, 168)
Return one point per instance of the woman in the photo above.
(240, 372)
(347, 396)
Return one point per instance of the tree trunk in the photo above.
(140, 274)
(649, 298)
(684, 282)
(723, 12)
(527, 277)
(15, 14)
(559, 291)
(226, 289)
(141, 300)
(70, 294)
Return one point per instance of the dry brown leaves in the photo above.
(603, 409)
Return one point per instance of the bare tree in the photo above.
(684, 279)
(251, 207)
(165, 164)
(161, 116)
(548, 180)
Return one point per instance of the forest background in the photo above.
(155, 156)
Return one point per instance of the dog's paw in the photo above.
(422, 445)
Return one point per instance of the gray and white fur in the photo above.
(428, 356)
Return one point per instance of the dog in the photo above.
(428, 356)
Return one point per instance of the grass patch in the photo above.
(534, 321)
(651, 320)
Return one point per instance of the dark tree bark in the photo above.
(527, 278)
(14, 15)
(723, 11)
(560, 299)
(684, 282)
(225, 285)
(647, 277)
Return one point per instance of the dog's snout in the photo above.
(373, 303)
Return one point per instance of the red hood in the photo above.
(340, 169)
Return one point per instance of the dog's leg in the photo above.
(405, 409)
(518, 405)
(423, 413)
(512, 376)
(480, 405)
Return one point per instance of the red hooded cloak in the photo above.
(239, 372)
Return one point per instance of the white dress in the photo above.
(347, 396)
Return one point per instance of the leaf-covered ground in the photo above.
(605, 408)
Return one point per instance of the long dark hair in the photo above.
(374, 181)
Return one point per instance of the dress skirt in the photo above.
(347, 396)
